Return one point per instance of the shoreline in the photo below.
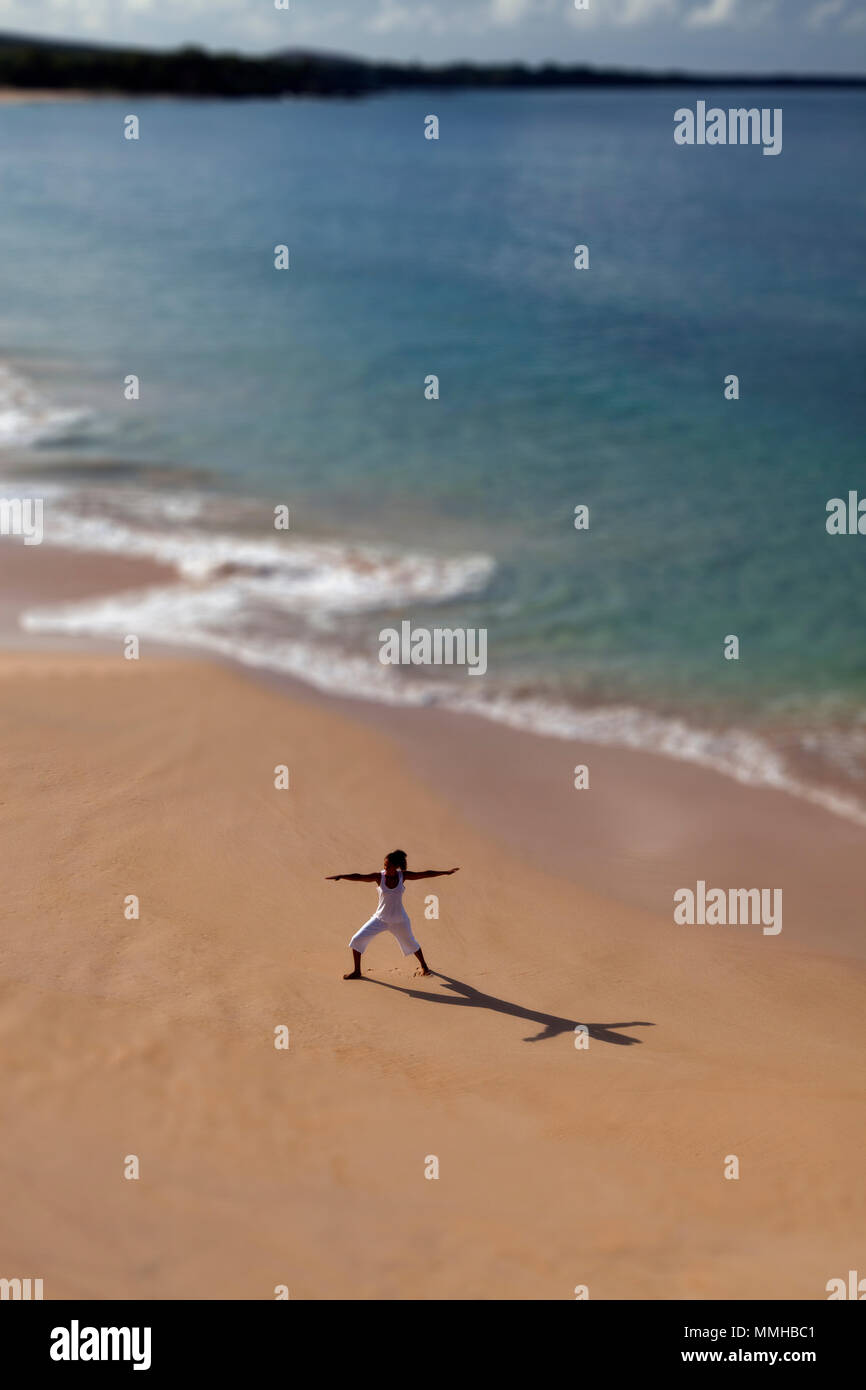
(796, 757)
(647, 825)
(17, 96)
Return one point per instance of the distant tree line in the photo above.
(185, 72)
(193, 72)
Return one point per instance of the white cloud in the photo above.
(391, 15)
(828, 9)
(716, 12)
(509, 11)
(641, 11)
(749, 33)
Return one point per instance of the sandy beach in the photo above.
(16, 96)
(558, 1166)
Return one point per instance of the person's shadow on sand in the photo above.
(552, 1024)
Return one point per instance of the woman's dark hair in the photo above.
(398, 859)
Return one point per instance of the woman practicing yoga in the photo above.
(390, 914)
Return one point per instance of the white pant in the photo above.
(401, 930)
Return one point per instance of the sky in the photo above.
(709, 35)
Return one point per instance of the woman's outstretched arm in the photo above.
(353, 878)
(429, 873)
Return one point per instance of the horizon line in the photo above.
(534, 67)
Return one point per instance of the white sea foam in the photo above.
(218, 618)
(276, 602)
(27, 418)
(211, 619)
(312, 576)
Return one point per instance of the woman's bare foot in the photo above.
(425, 969)
(355, 972)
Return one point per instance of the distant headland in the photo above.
(29, 64)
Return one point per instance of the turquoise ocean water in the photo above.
(557, 387)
